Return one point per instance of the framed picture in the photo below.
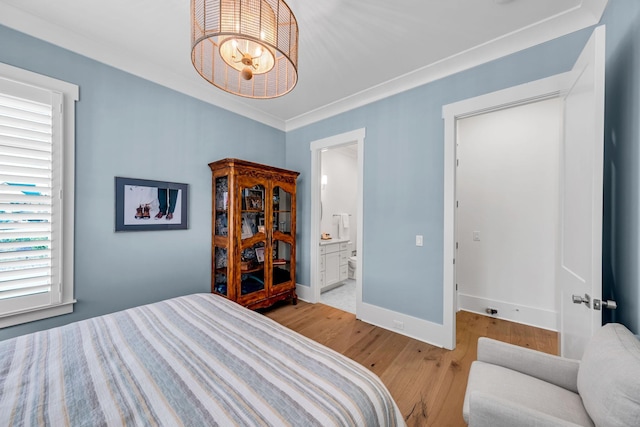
(245, 227)
(260, 254)
(145, 205)
(253, 199)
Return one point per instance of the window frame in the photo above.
(64, 169)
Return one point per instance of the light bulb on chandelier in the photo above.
(236, 53)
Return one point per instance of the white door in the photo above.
(579, 272)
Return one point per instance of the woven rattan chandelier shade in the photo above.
(245, 47)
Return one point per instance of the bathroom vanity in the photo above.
(334, 268)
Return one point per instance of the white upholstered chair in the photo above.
(515, 386)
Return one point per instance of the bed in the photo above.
(196, 360)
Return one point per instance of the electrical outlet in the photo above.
(398, 324)
(419, 240)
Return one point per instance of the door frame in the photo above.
(356, 136)
(538, 90)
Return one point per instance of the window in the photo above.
(36, 196)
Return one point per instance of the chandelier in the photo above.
(245, 47)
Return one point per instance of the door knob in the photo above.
(611, 305)
(586, 299)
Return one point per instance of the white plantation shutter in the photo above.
(31, 205)
(27, 273)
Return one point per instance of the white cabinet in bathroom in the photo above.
(334, 263)
(332, 267)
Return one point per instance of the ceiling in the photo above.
(351, 52)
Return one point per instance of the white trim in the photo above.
(413, 327)
(69, 94)
(304, 292)
(195, 86)
(37, 314)
(316, 147)
(532, 316)
(451, 113)
(586, 14)
(39, 80)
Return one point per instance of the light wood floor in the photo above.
(427, 382)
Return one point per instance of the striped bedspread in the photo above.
(197, 360)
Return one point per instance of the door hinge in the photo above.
(457, 203)
(454, 260)
(456, 245)
(457, 162)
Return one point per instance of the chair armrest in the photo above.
(489, 411)
(556, 370)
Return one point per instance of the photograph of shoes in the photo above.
(143, 203)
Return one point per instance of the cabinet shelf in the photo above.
(252, 269)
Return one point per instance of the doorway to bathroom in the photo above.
(336, 237)
(338, 224)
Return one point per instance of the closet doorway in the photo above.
(336, 220)
(507, 193)
(578, 251)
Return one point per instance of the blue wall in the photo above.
(403, 175)
(127, 126)
(621, 254)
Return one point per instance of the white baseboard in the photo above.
(540, 318)
(422, 330)
(304, 292)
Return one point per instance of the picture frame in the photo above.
(253, 199)
(260, 254)
(245, 227)
(139, 205)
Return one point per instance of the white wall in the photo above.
(507, 190)
(340, 194)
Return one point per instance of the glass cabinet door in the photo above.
(221, 232)
(221, 275)
(253, 238)
(282, 236)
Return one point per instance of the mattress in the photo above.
(197, 360)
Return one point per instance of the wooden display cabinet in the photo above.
(253, 233)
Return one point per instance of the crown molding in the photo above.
(588, 13)
(126, 61)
